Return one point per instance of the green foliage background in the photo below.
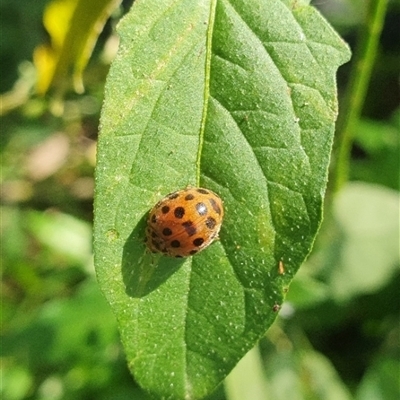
(336, 335)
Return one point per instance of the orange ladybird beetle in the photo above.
(184, 222)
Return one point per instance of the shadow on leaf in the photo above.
(143, 271)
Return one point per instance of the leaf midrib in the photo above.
(211, 20)
(206, 96)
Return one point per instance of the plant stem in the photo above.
(356, 91)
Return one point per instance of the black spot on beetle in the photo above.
(173, 196)
(210, 223)
(175, 244)
(189, 197)
(167, 232)
(165, 209)
(215, 206)
(189, 228)
(179, 212)
(203, 191)
(198, 241)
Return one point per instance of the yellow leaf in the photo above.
(73, 26)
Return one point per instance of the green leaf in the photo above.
(239, 97)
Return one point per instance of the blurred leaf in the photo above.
(239, 97)
(367, 251)
(63, 233)
(301, 374)
(16, 382)
(12, 236)
(79, 325)
(380, 141)
(71, 343)
(44, 254)
(381, 381)
(306, 291)
(248, 379)
(320, 379)
(361, 234)
(375, 136)
(345, 14)
(74, 26)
